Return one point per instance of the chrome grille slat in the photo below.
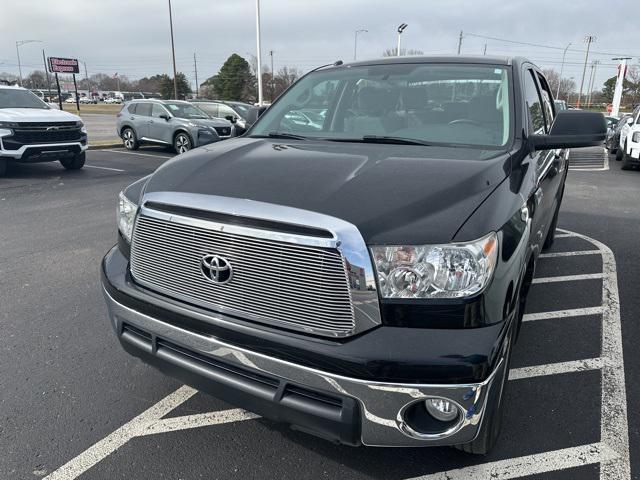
(286, 284)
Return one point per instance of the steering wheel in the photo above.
(460, 121)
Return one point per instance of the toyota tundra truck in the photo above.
(362, 278)
(31, 131)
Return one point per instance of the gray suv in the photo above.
(169, 122)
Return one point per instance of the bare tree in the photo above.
(567, 86)
(392, 52)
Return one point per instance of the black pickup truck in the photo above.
(356, 264)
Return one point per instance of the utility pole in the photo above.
(195, 67)
(617, 93)
(592, 80)
(19, 43)
(86, 77)
(460, 42)
(355, 42)
(562, 69)
(259, 56)
(173, 54)
(485, 48)
(589, 39)
(273, 80)
(401, 28)
(46, 72)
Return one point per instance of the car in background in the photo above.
(70, 100)
(613, 134)
(236, 112)
(173, 123)
(87, 100)
(627, 126)
(112, 100)
(31, 131)
(560, 105)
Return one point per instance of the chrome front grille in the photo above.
(274, 282)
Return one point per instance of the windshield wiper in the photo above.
(389, 139)
(291, 136)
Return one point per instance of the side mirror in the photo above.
(630, 121)
(573, 129)
(231, 118)
(165, 116)
(254, 113)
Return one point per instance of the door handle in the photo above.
(539, 194)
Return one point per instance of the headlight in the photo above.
(126, 215)
(83, 127)
(636, 137)
(8, 125)
(5, 132)
(435, 271)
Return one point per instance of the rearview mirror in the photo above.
(573, 129)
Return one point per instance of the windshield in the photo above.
(185, 110)
(10, 98)
(452, 104)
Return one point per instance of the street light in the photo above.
(562, 68)
(19, 43)
(173, 53)
(401, 28)
(259, 53)
(355, 42)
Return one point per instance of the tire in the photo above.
(619, 154)
(492, 420)
(3, 166)
(129, 139)
(74, 163)
(626, 162)
(182, 143)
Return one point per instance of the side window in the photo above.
(546, 101)
(212, 109)
(132, 108)
(157, 110)
(143, 109)
(533, 104)
(225, 110)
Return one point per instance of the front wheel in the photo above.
(129, 139)
(74, 163)
(182, 143)
(619, 154)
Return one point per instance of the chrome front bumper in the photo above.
(380, 404)
(17, 154)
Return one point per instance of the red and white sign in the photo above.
(63, 65)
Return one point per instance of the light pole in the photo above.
(401, 28)
(355, 42)
(259, 56)
(173, 54)
(562, 68)
(19, 43)
(589, 39)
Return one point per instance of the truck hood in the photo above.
(36, 115)
(394, 194)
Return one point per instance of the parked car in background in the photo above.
(169, 122)
(613, 134)
(112, 100)
(236, 112)
(70, 100)
(560, 105)
(31, 131)
(363, 278)
(630, 123)
(87, 100)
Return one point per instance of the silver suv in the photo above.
(169, 122)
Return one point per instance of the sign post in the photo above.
(65, 65)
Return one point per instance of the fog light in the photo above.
(441, 409)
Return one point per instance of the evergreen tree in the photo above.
(233, 80)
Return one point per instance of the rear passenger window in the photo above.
(143, 109)
(534, 105)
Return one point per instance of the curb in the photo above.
(101, 146)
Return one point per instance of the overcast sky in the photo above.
(131, 37)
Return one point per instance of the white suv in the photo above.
(32, 131)
(629, 149)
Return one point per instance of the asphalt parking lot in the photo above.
(74, 405)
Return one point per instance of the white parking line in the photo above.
(568, 278)
(134, 153)
(104, 168)
(612, 452)
(573, 312)
(531, 464)
(556, 368)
